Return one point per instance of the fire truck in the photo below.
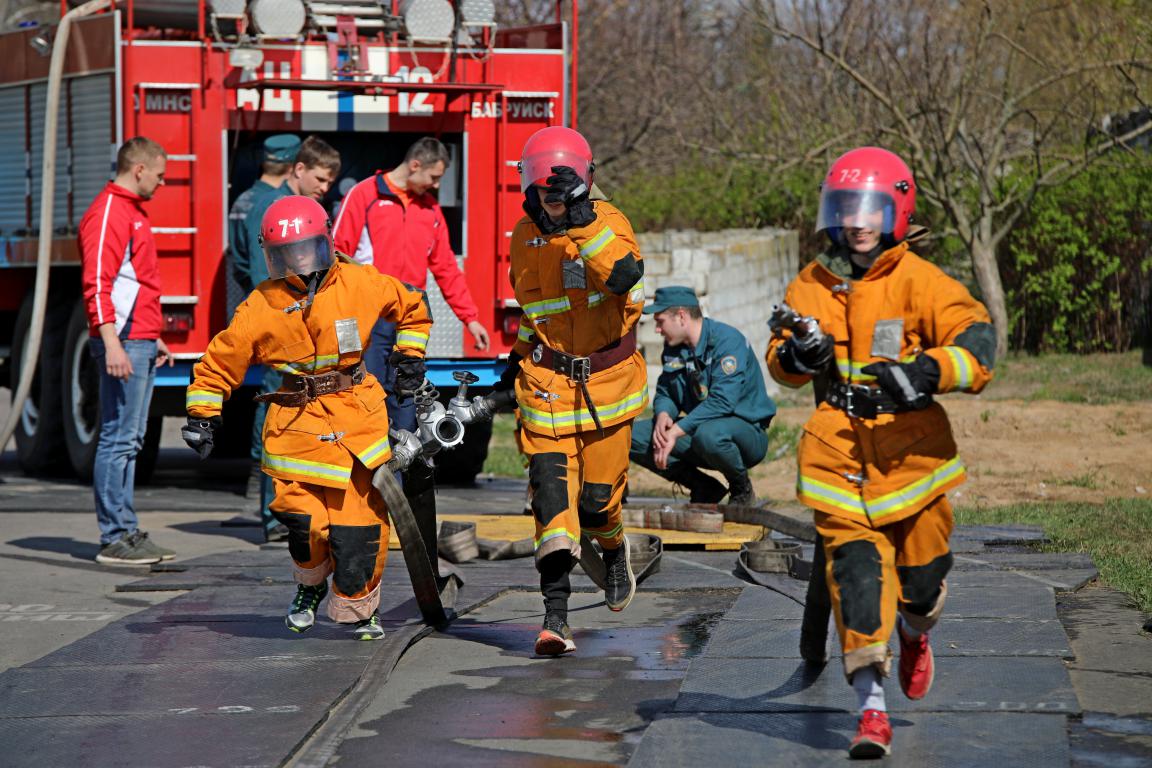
(209, 80)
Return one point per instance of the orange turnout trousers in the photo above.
(875, 573)
(577, 486)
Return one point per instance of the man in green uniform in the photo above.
(711, 408)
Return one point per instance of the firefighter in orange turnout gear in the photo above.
(327, 427)
(578, 377)
(883, 332)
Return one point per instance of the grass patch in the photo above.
(1117, 534)
(503, 457)
(1094, 379)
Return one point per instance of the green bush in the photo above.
(1076, 270)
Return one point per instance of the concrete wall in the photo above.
(737, 273)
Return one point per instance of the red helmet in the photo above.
(551, 146)
(295, 233)
(867, 180)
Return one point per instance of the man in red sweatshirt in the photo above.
(394, 221)
(121, 281)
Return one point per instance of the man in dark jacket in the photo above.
(711, 408)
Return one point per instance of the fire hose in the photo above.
(31, 351)
(437, 428)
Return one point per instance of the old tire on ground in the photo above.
(81, 393)
(460, 465)
(39, 430)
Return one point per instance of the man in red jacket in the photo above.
(121, 280)
(393, 220)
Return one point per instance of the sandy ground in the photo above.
(1015, 451)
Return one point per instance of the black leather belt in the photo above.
(580, 368)
(302, 388)
(861, 401)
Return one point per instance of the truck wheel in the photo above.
(39, 431)
(81, 385)
(460, 465)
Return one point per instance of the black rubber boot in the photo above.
(740, 491)
(555, 636)
(702, 488)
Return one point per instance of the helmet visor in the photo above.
(536, 169)
(855, 209)
(300, 258)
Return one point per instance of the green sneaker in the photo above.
(145, 544)
(124, 551)
(368, 629)
(302, 613)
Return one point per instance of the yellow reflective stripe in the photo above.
(414, 339)
(595, 297)
(537, 309)
(636, 292)
(552, 533)
(307, 468)
(582, 417)
(961, 367)
(202, 397)
(851, 369)
(525, 333)
(829, 494)
(375, 451)
(320, 361)
(922, 489)
(607, 535)
(597, 243)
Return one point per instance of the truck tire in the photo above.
(39, 431)
(460, 465)
(81, 396)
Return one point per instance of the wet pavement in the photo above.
(191, 665)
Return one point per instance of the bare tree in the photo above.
(989, 101)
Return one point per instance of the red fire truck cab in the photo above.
(210, 81)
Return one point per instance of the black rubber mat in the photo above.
(204, 639)
(236, 736)
(762, 604)
(921, 740)
(952, 637)
(172, 688)
(1016, 599)
(1024, 561)
(962, 685)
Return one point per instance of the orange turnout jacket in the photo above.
(317, 442)
(881, 470)
(572, 303)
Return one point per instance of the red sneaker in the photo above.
(917, 669)
(873, 736)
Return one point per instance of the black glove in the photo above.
(807, 359)
(536, 212)
(511, 371)
(909, 384)
(410, 373)
(198, 433)
(565, 186)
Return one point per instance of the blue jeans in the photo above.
(401, 412)
(123, 422)
(270, 383)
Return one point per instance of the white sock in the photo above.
(869, 692)
(908, 631)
